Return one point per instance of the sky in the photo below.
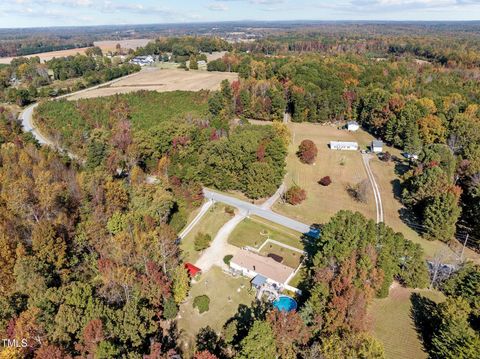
(33, 13)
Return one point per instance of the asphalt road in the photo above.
(251, 209)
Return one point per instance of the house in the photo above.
(343, 145)
(262, 269)
(192, 270)
(377, 146)
(143, 60)
(352, 126)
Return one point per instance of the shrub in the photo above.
(359, 192)
(386, 157)
(202, 303)
(202, 241)
(325, 181)
(230, 210)
(307, 151)
(170, 308)
(295, 195)
(227, 259)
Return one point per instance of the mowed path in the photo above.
(375, 188)
(162, 80)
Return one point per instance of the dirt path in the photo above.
(375, 188)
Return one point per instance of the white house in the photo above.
(143, 60)
(377, 146)
(352, 126)
(251, 264)
(343, 146)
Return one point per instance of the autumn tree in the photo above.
(307, 151)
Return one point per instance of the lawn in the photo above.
(210, 223)
(392, 324)
(291, 258)
(254, 231)
(344, 168)
(226, 293)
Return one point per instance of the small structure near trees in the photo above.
(307, 151)
(352, 126)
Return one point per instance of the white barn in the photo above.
(352, 126)
(343, 145)
(377, 146)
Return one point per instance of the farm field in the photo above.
(226, 294)
(393, 324)
(110, 45)
(162, 80)
(254, 231)
(211, 222)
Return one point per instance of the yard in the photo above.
(392, 323)
(289, 257)
(344, 168)
(210, 223)
(226, 294)
(254, 231)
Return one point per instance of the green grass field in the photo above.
(393, 325)
(71, 120)
(254, 231)
(291, 258)
(211, 222)
(226, 294)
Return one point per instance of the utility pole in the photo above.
(463, 248)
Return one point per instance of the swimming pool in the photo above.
(285, 303)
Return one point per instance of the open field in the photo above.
(104, 45)
(162, 80)
(254, 231)
(393, 325)
(344, 168)
(211, 222)
(111, 45)
(291, 258)
(226, 295)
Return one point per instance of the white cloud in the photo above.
(218, 7)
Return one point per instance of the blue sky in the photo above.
(28, 13)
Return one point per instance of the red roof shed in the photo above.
(192, 270)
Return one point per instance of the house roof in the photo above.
(343, 143)
(376, 143)
(259, 280)
(192, 270)
(352, 123)
(264, 266)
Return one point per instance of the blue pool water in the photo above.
(285, 303)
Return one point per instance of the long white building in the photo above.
(343, 146)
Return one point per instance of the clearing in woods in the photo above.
(162, 80)
(392, 322)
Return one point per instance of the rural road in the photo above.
(375, 188)
(251, 209)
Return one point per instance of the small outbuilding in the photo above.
(343, 146)
(192, 270)
(377, 146)
(352, 126)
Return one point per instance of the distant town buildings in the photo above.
(343, 146)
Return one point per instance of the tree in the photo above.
(202, 241)
(259, 343)
(325, 181)
(202, 303)
(181, 284)
(205, 354)
(295, 195)
(440, 217)
(170, 309)
(193, 64)
(307, 151)
(455, 338)
(290, 332)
